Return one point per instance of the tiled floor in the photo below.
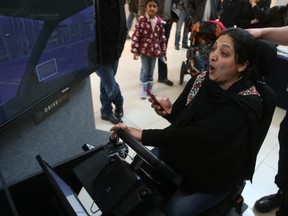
(138, 113)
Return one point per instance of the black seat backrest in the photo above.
(269, 103)
(266, 55)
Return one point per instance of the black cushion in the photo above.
(266, 55)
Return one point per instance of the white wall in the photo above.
(278, 2)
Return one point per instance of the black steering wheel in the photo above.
(144, 153)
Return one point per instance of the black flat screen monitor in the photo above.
(66, 195)
(46, 46)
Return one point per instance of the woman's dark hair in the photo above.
(245, 46)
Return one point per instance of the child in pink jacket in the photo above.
(148, 42)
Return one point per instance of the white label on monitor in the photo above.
(46, 69)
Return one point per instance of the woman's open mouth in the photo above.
(211, 69)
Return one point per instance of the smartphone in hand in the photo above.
(156, 101)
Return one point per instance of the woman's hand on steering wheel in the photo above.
(136, 133)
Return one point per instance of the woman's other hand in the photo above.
(165, 102)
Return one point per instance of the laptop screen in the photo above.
(68, 198)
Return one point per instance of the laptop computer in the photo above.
(67, 196)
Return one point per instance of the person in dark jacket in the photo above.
(133, 14)
(279, 200)
(183, 19)
(231, 10)
(204, 10)
(278, 16)
(253, 13)
(113, 36)
(213, 124)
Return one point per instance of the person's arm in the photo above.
(261, 13)
(191, 9)
(211, 131)
(278, 35)
(241, 19)
(162, 40)
(178, 105)
(219, 8)
(134, 132)
(141, 7)
(136, 38)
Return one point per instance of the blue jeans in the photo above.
(281, 179)
(183, 18)
(109, 88)
(130, 19)
(192, 205)
(147, 68)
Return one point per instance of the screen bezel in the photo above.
(29, 110)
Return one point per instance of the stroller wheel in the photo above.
(182, 72)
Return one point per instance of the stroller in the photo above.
(203, 35)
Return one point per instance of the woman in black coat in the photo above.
(253, 13)
(213, 123)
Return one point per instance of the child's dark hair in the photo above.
(156, 1)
